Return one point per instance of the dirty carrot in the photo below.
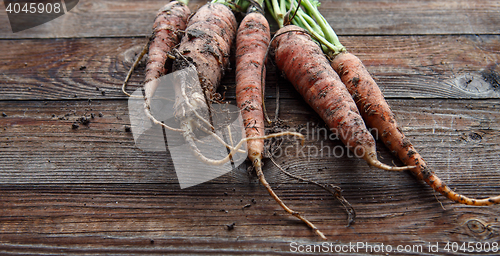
(306, 67)
(206, 46)
(251, 44)
(378, 115)
(252, 40)
(376, 111)
(170, 20)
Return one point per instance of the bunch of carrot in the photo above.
(334, 82)
(323, 90)
(205, 46)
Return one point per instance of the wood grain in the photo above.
(89, 190)
(418, 17)
(119, 18)
(110, 18)
(103, 152)
(405, 67)
(100, 219)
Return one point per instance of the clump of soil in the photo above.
(83, 120)
(230, 226)
(492, 77)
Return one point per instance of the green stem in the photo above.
(325, 44)
(270, 8)
(260, 2)
(309, 18)
(303, 16)
(230, 4)
(283, 7)
(183, 1)
(278, 14)
(254, 6)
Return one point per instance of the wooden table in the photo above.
(89, 190)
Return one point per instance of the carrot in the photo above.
(206, 46)
(170, 19)
(374, 108)
(252, 40)
(305, 65)
(251, 44)
(377, 114)
(202, 29)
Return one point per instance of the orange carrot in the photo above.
(207, 44)
(251, 45)
(170, 20)
(371, 103)
(252, 41)
(305, 65)
(377, 114)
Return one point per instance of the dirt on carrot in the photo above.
(251, 45)
(252, 42)
(378, 115)
(170, 19)
(207, 45)
(307, 68)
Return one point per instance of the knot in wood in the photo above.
(476, 226)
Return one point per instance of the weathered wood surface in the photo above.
(91, 191)
(461, 66)
(126, 18)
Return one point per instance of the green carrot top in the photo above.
(242, 5)
(308, 18)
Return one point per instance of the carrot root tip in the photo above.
(372, 160)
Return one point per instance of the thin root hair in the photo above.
(258, 168)
(132, 68)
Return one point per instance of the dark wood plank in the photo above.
(89, 189)
(112, 219)
(451, 135)
(66, 69)
(110, 18)
(421, 17)
(113, 18)
(406, 66)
